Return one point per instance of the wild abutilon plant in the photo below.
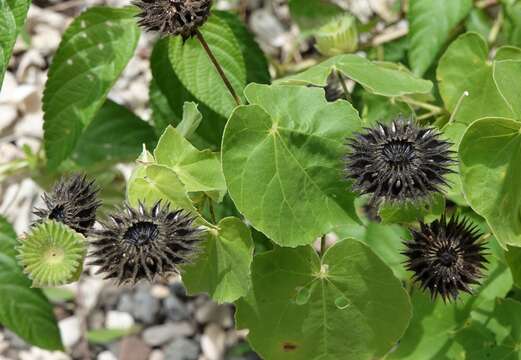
(398, 162)
(446, 257)
(184, 18)
(52, 254)
(73, 202)
(144, 243)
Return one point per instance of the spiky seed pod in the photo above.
(446, 257)
(142, 244)
(398, 162)
(173, 17)
(72, 202)
(52, 254)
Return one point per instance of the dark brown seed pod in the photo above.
(142, 244)
(72, 202)
(398, 162)
(446, 257)
(173, 17)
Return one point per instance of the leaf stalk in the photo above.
(218, 67)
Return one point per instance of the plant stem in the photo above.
(322, 245)
(492, 36)
(485, 3)
(458, 104)
(428, 115)
(217, 67)
(420, 104)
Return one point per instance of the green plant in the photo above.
(315, 269)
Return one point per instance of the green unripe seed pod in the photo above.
(339, 36)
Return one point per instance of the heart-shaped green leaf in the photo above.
(347, 305)
(282, 162)
(490, 164)
(222, 269)
(470, 51)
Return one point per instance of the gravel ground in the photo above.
(159, 321)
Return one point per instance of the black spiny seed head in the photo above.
(72, 202)
(398, 162)
(446, 257)
(142, 244)
(173, 17)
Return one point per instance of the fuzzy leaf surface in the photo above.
(222, 269)
(12, 18)
(495, 333)
(465, 67)
(93, 52)
(490, 164)
(386, 241)
(282, 162)
(150, 183)
(24, 310)
(197, 170)
(192, 118)
(197, 73)
(430, 24)
(407, 213)
(168, 96)
(346, 306)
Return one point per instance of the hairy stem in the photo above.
(217, 67)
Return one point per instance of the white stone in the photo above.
(46, 39)
(7, 88)
(32, 58)
(106, 355)
(35, 353)
(213, 342)
(70, 330)
(119, 320)
(157, 355)
(160, 291)
(8, 115)
(38, 15)
(90, 289)
(30, 125)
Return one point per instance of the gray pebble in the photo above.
(176, 310)
(161, 334)
(182, 349)
(145, 307)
